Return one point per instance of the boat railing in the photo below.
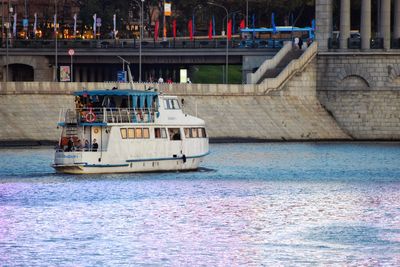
(109, 115)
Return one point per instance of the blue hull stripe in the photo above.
(105, 165)
(171, 158)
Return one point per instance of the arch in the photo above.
(353, 82)
(394, 75)
(354, 71)
(21, 73)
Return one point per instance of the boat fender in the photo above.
(184, 158)
(90, 116)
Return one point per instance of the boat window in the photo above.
(187, 132)
(138, 133)
(160, 133)
(146, 133)
(174, 133)
(194, 133)
(131, 133)
(203, 130)
(200, 133)
(123, 133)
(171, 104)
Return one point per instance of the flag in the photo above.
(229, 29)
(213, 25)
(313, 24)
(114, 25)
(273, 22)
(35, 24)
(156, 30)
(242, 25)
(174, 28)
(55, 22)
(210, 30)
(15, 25)
(75, 17)
(94, 25)
(190, 29)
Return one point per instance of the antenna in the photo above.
(130, 79)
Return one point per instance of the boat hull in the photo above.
(178, 164)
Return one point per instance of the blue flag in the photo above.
(273, 22)
(213, 22)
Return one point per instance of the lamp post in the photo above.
(56, 44)
(227, 41)
(140, 5)
(247, 13)
(10, 10)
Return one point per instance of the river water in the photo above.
(297, 204)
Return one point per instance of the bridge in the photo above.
(97, 61)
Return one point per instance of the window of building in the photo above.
(123, 133)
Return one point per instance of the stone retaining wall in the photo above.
(362, 91)
(29, 111)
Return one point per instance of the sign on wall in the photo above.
(65, 73)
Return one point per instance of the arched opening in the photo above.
(354, 81)
(396, 81)
(21, 73)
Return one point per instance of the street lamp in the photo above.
(247, 13)
(56, 44)
(227, 41)
(140, 37)
(10, 10)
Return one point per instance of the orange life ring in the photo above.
(90, 116)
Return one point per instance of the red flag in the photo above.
(210, 30)
(242, 24)
(156, 31)
(174, 28)
(229, 27)
(190, 28)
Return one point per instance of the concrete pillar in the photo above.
(385, 23)
(77, 77)
(396, 30)
(92, 74)
(84, 75)
(323, 18)
(365, 24)
(344, 23)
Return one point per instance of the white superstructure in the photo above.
(113, 131)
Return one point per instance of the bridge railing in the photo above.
(147, 43)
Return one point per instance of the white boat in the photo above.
(116, 131)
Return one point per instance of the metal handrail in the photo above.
(108, 115)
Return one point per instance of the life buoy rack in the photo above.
(90, 116)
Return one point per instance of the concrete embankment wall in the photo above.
(30, 111)
(362, 91)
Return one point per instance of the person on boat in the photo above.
(87, 146)
(70, 145)
(95, 146)
(78, 145)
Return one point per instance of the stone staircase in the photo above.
(274, 72)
